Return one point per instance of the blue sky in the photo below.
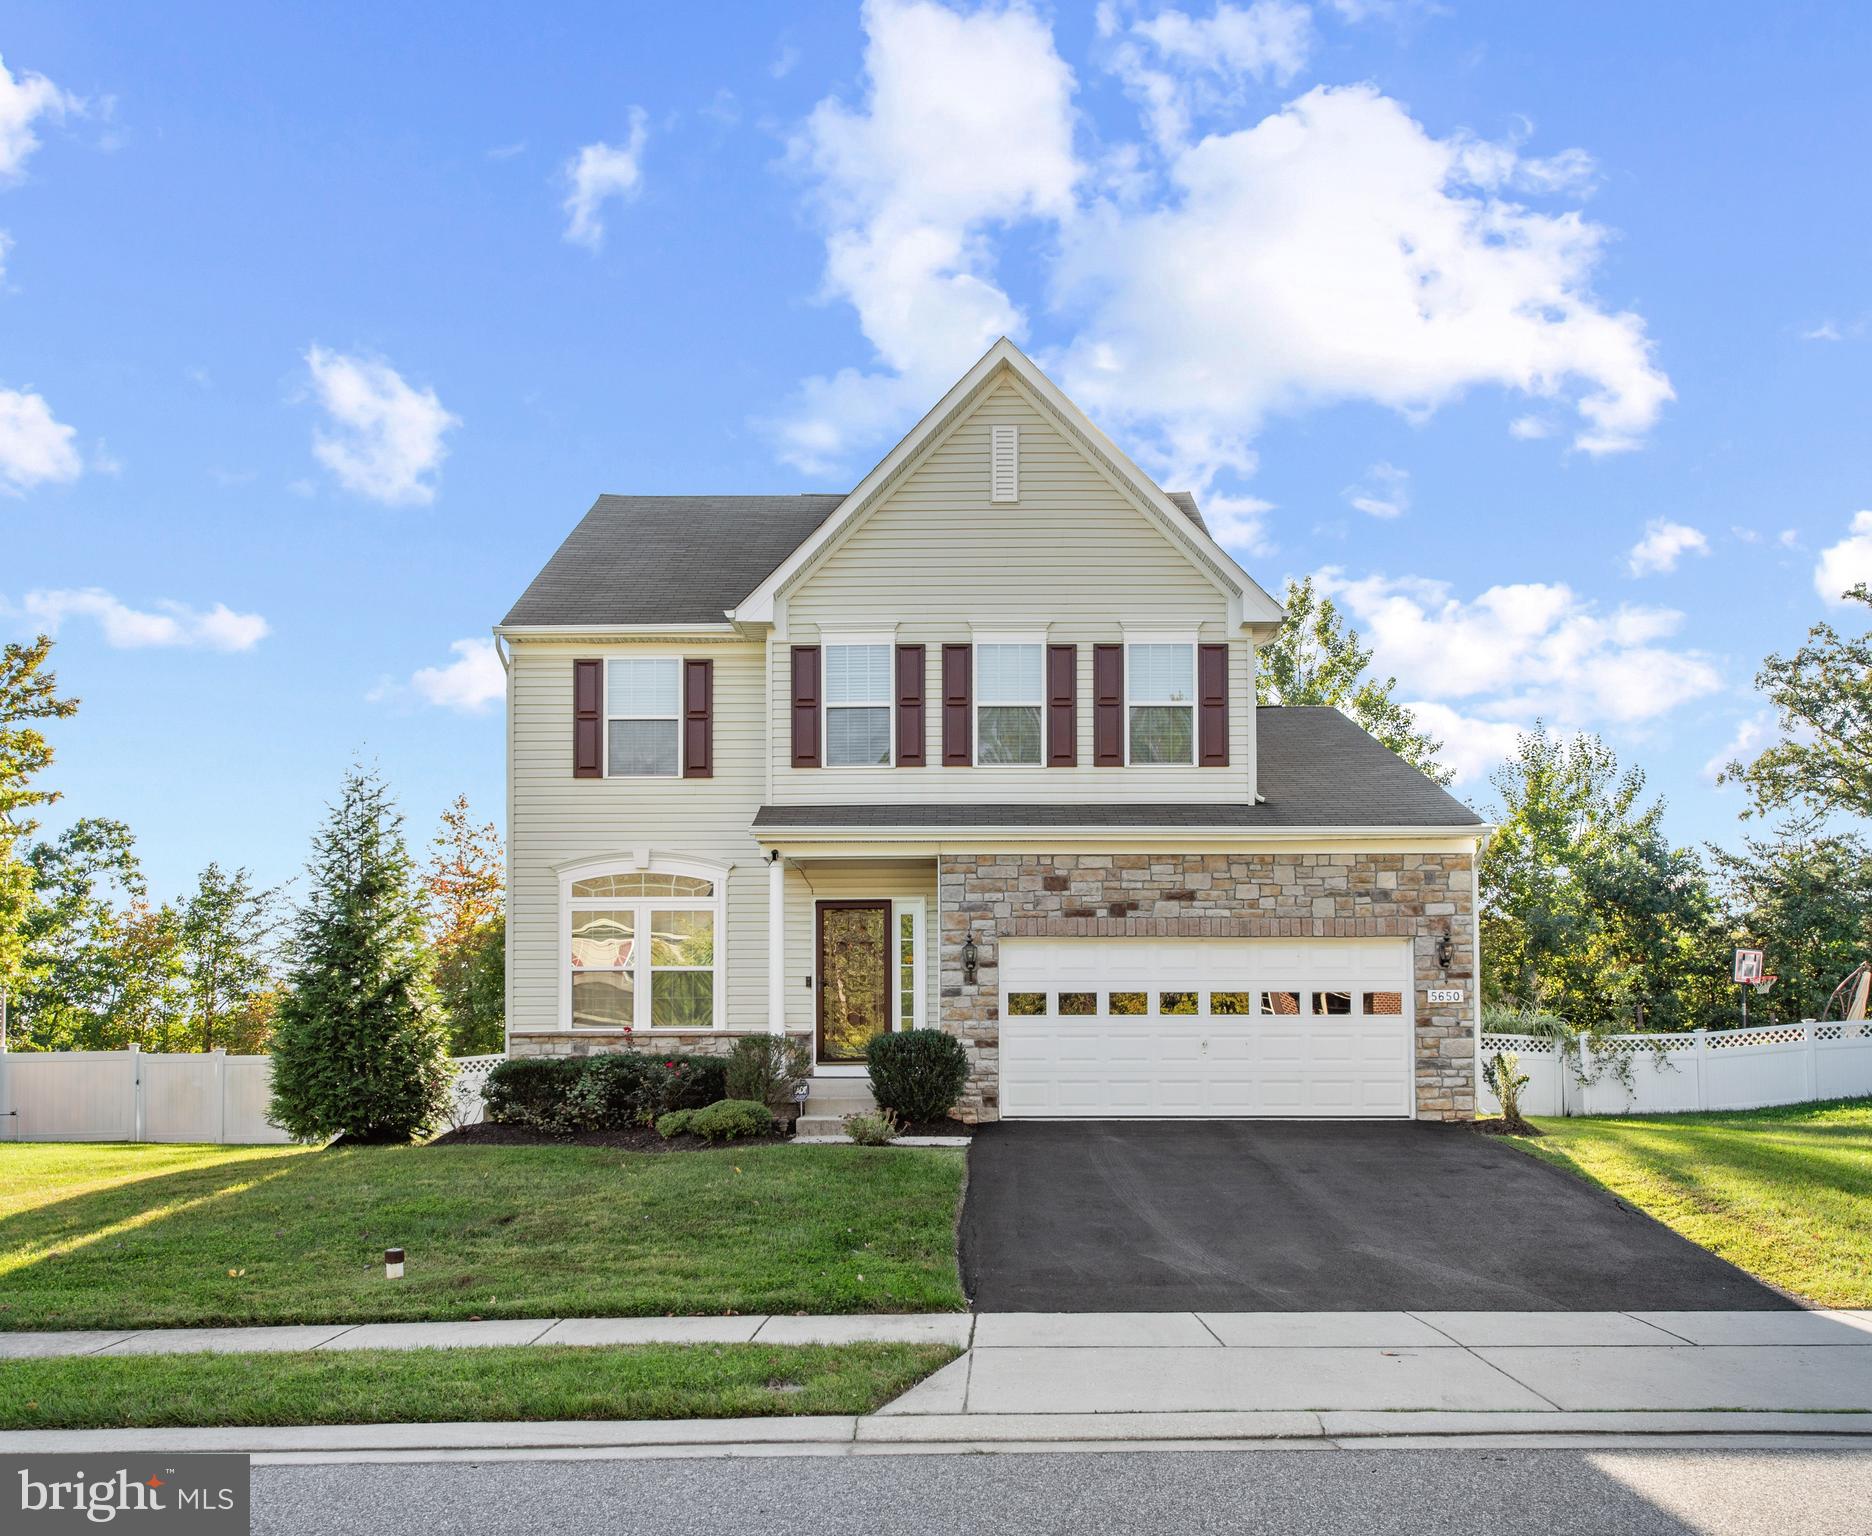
(1541, 332)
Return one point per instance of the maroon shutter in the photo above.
(957, 707)
(588, 719)
(911, 732)
(698, 718)
(1062, 706)
(1108, 706)
(1212, 688)
(805, 706)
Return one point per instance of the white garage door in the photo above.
(1145, 1028)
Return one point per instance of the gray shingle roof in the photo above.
(1317, 769)
(678, 559)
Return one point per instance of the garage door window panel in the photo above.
(1078, 1005)
(1027, 1004)
(1128, 1004)
(1328, 1004)
(1176, 1002)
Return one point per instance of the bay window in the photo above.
(641, 948)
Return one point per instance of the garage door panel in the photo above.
(1281, 1028)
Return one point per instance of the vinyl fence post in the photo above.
(1702, 1058)
(221, 1092)
(1813, 1061)
(1585, 1068)
(136, 1092)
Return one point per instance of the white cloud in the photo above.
(35, 448)
(599, 172)
(24, 99)
(218, 628)
(967, 124)
(1520, 651)
(469, 684)
(1663, 545)
(385, 440)
(1844, 564)
(1177, 66)
(1383, 493)
(1334, 250)
(786, 58)
(1744, 746)
(1471, 747)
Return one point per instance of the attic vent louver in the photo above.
(1004, 472)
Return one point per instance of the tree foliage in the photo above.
(1804, 897)
(464, 884)
(226, 934)
(1317, 659)
(1822, 694)
(1586, 909)
(28, 692)
(358, 1048)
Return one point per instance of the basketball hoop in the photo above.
(1761, 984)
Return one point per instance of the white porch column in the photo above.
(776, 943)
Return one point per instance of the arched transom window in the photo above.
(642, 946)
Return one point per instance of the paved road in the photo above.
(1247, 1216)
(1322, 1492)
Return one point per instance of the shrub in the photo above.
(532, 1091)
(767, 1068)
(872, 1127)
(676, 1122)
(697, 1080)
(919, 1073)
(730, 1120)
(1503, 1074)
(621, 1089)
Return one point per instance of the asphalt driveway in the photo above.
(1250, 1216)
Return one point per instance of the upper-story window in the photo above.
(1161, 698)
(1009, 697)
(858, 706)
(643, 726)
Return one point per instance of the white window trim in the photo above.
(886, 638)
(606, 717)
(1152, 637)
(912, 907)
(978, 639)
(644, 862)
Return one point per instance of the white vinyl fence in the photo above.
(1711, 1069)
(138, 1095)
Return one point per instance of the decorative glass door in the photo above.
(854, 977)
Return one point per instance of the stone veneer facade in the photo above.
(1417, 896)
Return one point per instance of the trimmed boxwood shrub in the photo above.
(532, 1091)
(675, 1122)
(730, 1120)
(919, 1073)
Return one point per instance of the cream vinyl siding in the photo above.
(555, 819)
(938, 559)
(848, 880)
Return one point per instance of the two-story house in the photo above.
(974, 746)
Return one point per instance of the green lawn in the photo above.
(112, 1235)
(431, 1386)
(1784, 1193)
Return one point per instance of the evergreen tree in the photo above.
(1317, 659)
(357, 1048)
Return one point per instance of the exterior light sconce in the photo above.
(970, 957)
(1444, 952)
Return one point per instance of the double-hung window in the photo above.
(641, 949)
(1009, 701)
(643, 717)
(1160, 690)
(858, 706)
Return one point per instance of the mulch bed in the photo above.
(638, 1139)
(1501, 1128)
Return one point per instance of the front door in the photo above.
(854, 977)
